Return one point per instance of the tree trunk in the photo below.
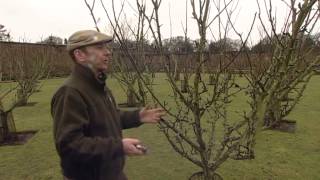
(201, 176)
(177, 75)
(1, 72)
(142, 93)
(131, 99)
(148, 80)
(208, 175)
(22, 98)
(273, 116)
(184, 84)
(6, 125)
(211, 79)
(4, 129)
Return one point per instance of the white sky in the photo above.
(31, 20)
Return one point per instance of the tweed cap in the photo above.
(86, 37)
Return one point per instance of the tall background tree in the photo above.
(53, 40)
(4, 34)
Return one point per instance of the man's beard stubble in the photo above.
(91, 61)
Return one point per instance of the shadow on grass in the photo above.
(18, 138)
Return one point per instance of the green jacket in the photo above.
(87, 128)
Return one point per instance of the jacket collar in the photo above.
(86, 74)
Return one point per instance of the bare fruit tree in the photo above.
(277, 86)
(31, 66)
(199, 126)
(27, 65)
(280, 86)
(7, 125)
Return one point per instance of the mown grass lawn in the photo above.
(278, 155)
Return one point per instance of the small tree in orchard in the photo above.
(199, 127)
(28, 66)
(281, 85)
(275, 89)
(7, 125)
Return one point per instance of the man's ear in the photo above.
(79, 55)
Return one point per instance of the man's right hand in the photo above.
(129, 147)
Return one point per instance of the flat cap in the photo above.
(86, 37)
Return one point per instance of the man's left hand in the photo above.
(151, 115)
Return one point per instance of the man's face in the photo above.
(97, 56)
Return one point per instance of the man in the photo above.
(87, 124)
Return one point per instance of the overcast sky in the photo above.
(33, 20)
